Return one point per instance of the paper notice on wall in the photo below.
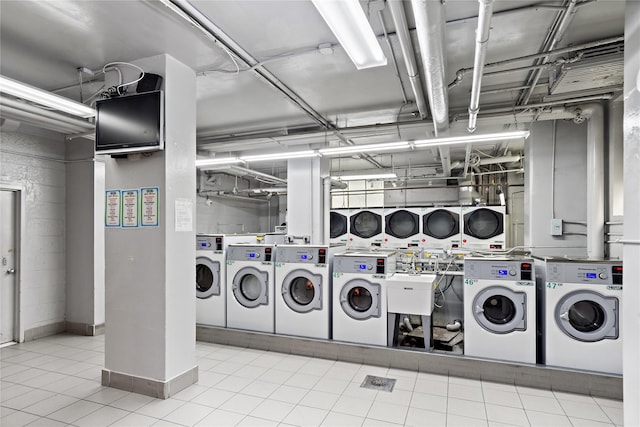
(130, 208)
(184, 215)
(149, 200)
(112, 208)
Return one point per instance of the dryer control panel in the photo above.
(207, 242)
(379, 264)
(302, 254)
(592, 273)
(499, 269)
(255, 253)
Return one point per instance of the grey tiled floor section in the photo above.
(55, 381)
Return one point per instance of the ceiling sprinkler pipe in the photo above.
(482, 40)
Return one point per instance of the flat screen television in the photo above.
(130, 124)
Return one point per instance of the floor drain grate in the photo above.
(378, 383)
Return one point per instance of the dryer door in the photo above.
(302, 291)
(483, 223)
(366, 224)
(207, 277)
(500, 310)
(337, 225)
(250, 287)
(402, 224)
(441, 224)
(588, 316)
(360, 299)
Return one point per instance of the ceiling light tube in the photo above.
(43, 97)
(369, 176)
(364, 148)
(281, 156)
(202, 163)
(502, 136)
(351, 27)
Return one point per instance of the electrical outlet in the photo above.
(556, 227)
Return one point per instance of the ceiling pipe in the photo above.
(485, 10)
(38, 120)
(430, 24)
(557, 34)
(408, 53)
(242, 171)
(30, 108)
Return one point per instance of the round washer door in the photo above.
(302, 291)
(207, 277)
(402, 224)
(500, 310)
(250, 287)
(366, 224)
(337, 225)
(483, 223)
(360, 299)
(441, 224)
(588, 316)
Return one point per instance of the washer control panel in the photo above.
(374, 263)
(499, 269)
(592, 273)
(207, 242)
(302, 254)
(256, 253)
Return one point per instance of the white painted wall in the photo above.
(233, 216)
(42, 286)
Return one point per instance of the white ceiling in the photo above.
(42, 43)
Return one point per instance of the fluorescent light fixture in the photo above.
(43, 97)
(369, 176)
(468, 139)
(364, 148)
(200, 163)
(351, 27)
(281, 156)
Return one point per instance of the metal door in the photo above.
(250, 287)
(366, 224)
(208, 279)
(8, 241)
(302, 291)
(483, 223)
(441, 224)
(360, 299)
(500, 310)
(402, 224)
(588, 316)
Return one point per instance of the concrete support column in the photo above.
(306, 209)
(631, 245)
(150, 297)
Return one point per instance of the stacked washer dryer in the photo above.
(583, 314)
(366, 227)
(402, 227)
(500, 309)
(484, 227)
(441, 228)
(360, 296)
(339, 226)
(211, 303)
(303, 290)
(250, 287)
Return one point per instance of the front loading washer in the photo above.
(359, 296)
(441, 228)
(303, 290)
(484, 227)
(366, 227)
(250, 287)
(339, 226)
(401, 228)
(211, 303)
(500, 309)
(583, 314)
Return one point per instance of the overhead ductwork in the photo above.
(485, 11)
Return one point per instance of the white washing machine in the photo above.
(484, 227)
(500, 309)
(250, 287)
(359, 296)
(583, 314)
(401, 227)
(303, 290)
(366, 227)
(339, 226)
(441, 228)
(211, 303)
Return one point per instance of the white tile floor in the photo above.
(55, 381)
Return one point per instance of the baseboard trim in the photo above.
(539, 376)
(147, 386)
(85, 329)
(44, 331)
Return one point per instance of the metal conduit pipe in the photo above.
(560, 30)
(430, 25)
(485, 11)
(408, 53)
